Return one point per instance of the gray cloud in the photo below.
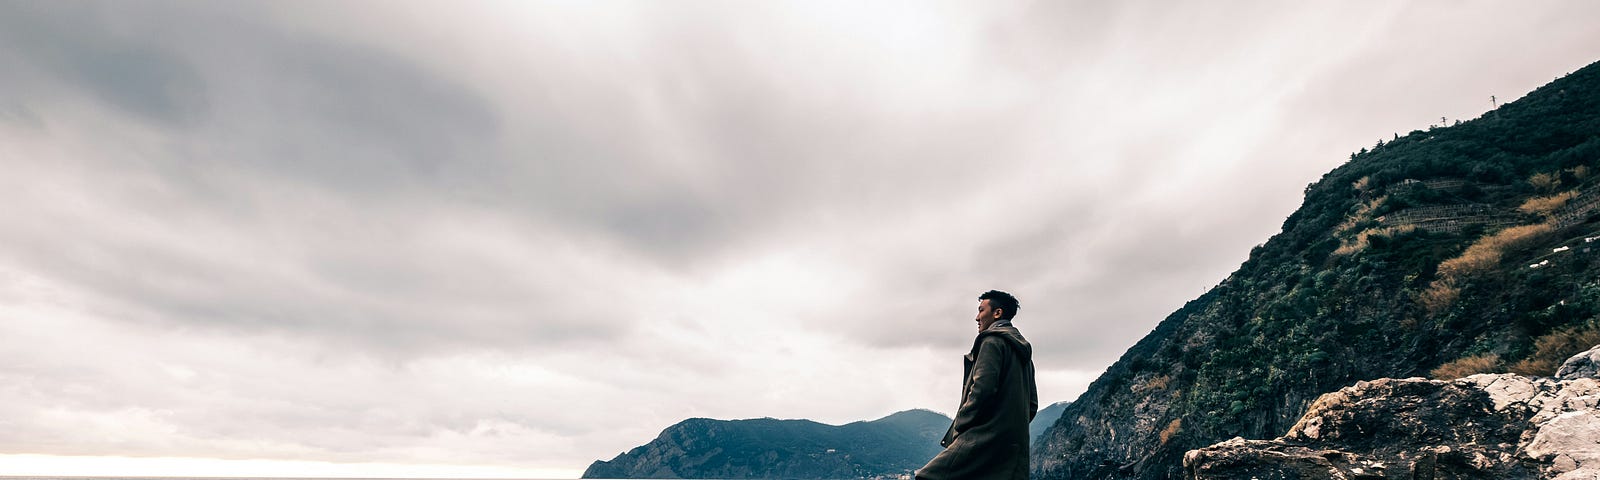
(335, 113)
(76, 45)
(408, 234)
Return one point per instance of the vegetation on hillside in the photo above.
(772, 448)
(1435, 253)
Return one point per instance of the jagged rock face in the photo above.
(1501, 426)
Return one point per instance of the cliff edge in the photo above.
(1456, 250)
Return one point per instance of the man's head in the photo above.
(993, 306)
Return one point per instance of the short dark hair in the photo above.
(1004, 301)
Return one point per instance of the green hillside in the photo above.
(1440, 252)
(771, 448)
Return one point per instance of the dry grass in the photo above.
(1553, 348)
(1544, 182)
(1172, 429)
(1441, 294)
(1159, 383)
(1467, 366)
(1362, 214)
(1362, 184)
(1363, 240)
(1482, 255)
(1154, 383)
(1581, 172)
(1545, 205)
(1487, 251)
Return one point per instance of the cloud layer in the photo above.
(532, 235)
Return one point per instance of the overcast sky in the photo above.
(509, 239)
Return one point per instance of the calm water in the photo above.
(12, 477)
(3, 477)
(15, 477)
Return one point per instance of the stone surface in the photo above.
(1570, 441)
(1583, 365)
(1259, 459)
(1501, 426)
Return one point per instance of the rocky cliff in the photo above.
(1501, 426)
(771, 448)
(1044, 418)
(1445, 252)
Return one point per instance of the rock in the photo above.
(1570, 441)
(1582, 365)
(1501, 426)
(1506, 389)
(1259, 459)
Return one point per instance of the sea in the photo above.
(12, 477)
(3, 477)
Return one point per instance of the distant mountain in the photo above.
(771, 448)
(1464, 248)
(1044, 419)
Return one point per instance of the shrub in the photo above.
(1553, 348)
(1363, 240)
(1440, 295)
(1466, 366)
(1544, 182)
(1158, 383)
(1363, 213)
(1172, 429)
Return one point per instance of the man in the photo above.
(989, 437)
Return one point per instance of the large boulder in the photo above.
(1500, 426)
(1583, 365)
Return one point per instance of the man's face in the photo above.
(987, 315)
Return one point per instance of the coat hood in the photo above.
(1010, 334)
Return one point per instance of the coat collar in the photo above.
(1007, 332)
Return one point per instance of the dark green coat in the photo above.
(989, 437)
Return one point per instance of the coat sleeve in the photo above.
(982, 393)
